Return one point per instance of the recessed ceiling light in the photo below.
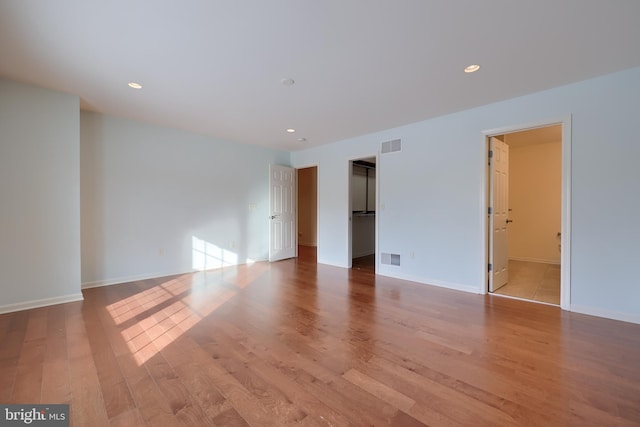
(471, 68)
(135, 85)
(288, 81)
(291, 130)
(302, 139)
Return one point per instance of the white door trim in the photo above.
(565, 240)
(312, 165)
(350, 212)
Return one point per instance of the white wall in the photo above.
(431, 194)
(39, 197)
(158, 201)
(363, 235)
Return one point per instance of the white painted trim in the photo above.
(536, 260)
(45, 302)
(593, 311)
(317, 244)
(127, 279)
(565, 240)
(376, 258)
(349, 260)
(350, 160)
(332, 264)
(431, 282)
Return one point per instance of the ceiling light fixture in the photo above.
(288, 81)
(135, 85)
(302, 139)
(291, 130)
(471, 68)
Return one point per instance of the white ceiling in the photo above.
(214, 66)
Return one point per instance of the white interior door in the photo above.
(499, 215)
(282, 215)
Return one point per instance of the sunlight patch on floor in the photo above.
(161, 314)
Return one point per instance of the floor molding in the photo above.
(45, 302)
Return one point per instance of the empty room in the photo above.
(319, 213)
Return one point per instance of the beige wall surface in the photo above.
(535, 196)
(307, 206)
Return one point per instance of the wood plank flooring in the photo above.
(295, 343)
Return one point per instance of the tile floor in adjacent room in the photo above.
(533, 281)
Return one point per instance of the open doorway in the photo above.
(362, 197)
(525, 215)
(308, 213)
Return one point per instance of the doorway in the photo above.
(308, 213)
(362, 197)
(527, 207)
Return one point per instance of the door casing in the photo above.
(350, 161)
(565, 240)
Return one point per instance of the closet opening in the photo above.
(363, 213)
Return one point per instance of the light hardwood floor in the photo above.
(295, 343)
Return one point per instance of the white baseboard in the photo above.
(432, 282)
(608, 314)
(127, 279)
(321, 261)
(538, 260)
(45, 302)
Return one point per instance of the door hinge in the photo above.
(490, 211)
(490, 267)
(490, 156)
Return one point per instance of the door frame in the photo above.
(565, 239)
(317, 166)
(350, 161)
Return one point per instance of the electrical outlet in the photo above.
(412, 255)
(160, 252)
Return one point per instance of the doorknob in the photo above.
(273, 216)
(509, 220)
